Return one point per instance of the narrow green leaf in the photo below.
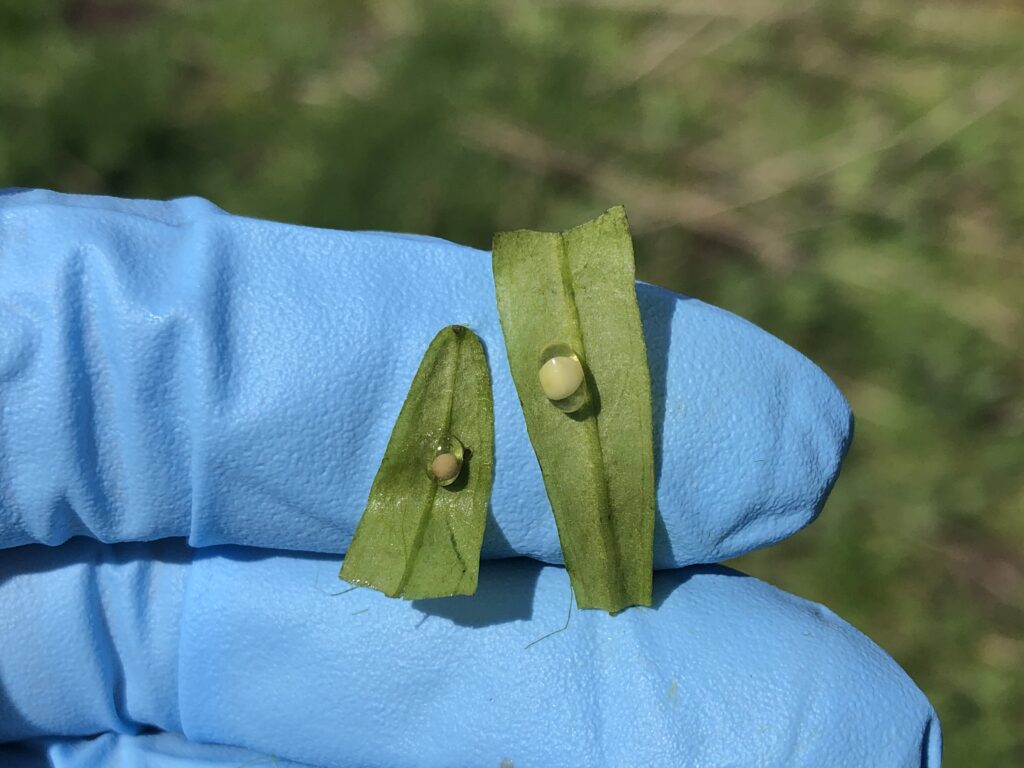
(419, 538)
(576, 290)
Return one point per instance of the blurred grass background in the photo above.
(848, 175)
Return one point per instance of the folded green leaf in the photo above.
(568, 301)
(423, 526)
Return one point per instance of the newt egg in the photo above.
(562, 378)
(442, 457)
(445, 468)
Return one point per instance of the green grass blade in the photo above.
(577, 288)
(417, 539)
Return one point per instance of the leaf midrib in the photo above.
(431, 496)
(606, 527)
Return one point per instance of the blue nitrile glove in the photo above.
(168, 370)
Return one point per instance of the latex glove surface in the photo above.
(245, 647)
(169, 370)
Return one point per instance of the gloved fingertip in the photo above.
(749, 434)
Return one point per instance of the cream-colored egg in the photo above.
(445, 467)
(560, 377)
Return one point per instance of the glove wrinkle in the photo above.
(89, 638)
(106, 652)
(98, 465)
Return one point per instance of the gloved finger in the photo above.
(167, 369)
(245, 647)
(152, 750)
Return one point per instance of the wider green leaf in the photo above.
(576, 290)
(418, 538)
